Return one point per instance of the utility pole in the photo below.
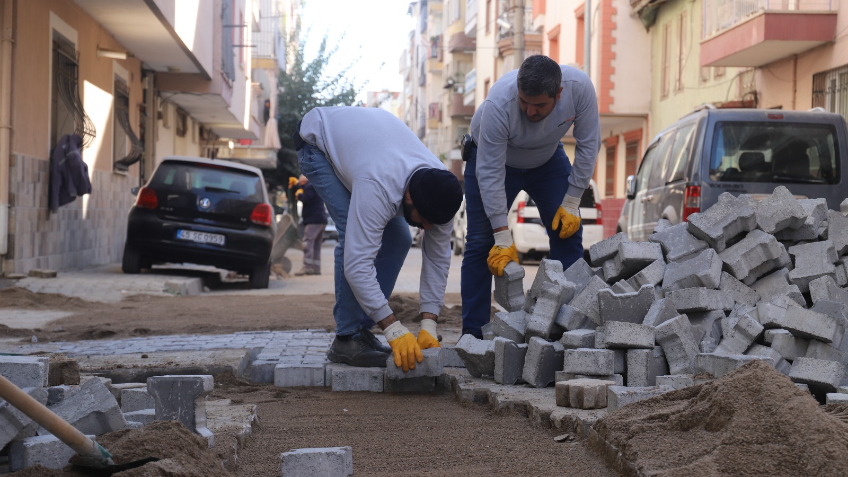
(519, 33)
(587, 38)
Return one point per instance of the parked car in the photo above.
(202, 211)
(530, 235)
(741, 151)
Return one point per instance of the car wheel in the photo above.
(521, 257)
(259, 277)
(131, 262)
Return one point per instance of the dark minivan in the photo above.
(202, 211)
(741, 151)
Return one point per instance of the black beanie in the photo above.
(436, 194)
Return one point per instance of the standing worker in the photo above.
(515, 145)
(314, 222)
(373, 172)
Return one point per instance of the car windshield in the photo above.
(775, 152)
(193, 177)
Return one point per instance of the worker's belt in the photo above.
(298, 141)
(466, 144)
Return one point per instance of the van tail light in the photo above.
(147, 199)
(262, 214)
(520, 213)
(691, 201)
(600, 219)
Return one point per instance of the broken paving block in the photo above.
(729, 217)
(548, 303)
(825, 288)
(777, 283)
(630, 259)
(606, 249)
(25, 371)
(644, 365)
(661, 311)
(779, 362)
(583, 306)
(478, 355)
(509, 288)
(814, 224)
(677, 243)
(704, 270)
(650, 275)
(510, 325)
(625, 335)
(578, 339)
(543, 360)
(596, 362)
(582, 393)
(13, 421)
(754, 256)
(183, 398)
(837, 231)
(509, 360)
(741, 336)
(779, 211)
(631, 307)
(740, 292)
(326, 461)
(706, 328)
(620, 396)
(679, 345)
(788, 345)
(812, 261)
(432, 366)
(720, 364)
(92, 409)
(821, 376)
(700, 299)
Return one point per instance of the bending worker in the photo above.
(375, 176)
(515, 145)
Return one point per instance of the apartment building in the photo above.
(138, 80)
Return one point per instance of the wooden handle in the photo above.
(57, 426)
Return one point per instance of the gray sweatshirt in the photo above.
(505, 137)
(374, 155)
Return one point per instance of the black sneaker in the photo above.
(376, 343)
(358, 350)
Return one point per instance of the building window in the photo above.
(228, 67)
(718, 71)
(67, 113)
(126, 146)
(579, 35)
(705, 74)
(830, 90)
(631, 158)
(609, 180)
(665, 67)
(681, 51)
(182, 123)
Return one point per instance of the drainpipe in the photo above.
(5, 120)
(794, 79)
(587, 38)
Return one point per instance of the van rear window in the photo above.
(197, 178)
(775, 152)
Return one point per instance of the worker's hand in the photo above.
(298, 192)
(567, 215)
(292, 182)
(427, 337)
(502, 253)
(404, 346)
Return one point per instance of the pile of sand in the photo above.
(182, 454)
(754, 421)
(406, 310)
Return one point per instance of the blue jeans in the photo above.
(547, 186)
(349, 316)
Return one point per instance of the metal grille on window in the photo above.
(127, 145)
(70, 117)
(830, 90)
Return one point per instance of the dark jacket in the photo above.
(68, 172)
(313, 207)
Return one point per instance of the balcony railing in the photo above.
(470, 86)
(510, 18)
(721, 15)
(471, 17)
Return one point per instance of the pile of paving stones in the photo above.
(744, 280)
(94, 407)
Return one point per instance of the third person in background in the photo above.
(314, 217)
(515, 145)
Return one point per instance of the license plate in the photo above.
(200, 237)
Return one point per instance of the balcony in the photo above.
(754, 33)
(471, 18)
(470, 86)
(458, 108)
(462, 43)
(434, 65)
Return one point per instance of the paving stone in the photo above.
(582, 393)
(25, 371)
(777, 283)
(630, 259)
(174, 396)
(622, 286)
(423, 384)
(57, 394)
(606, 249)
(297, 375)
(778, 362)
(488, 334)
(810, 324)
(550, 271)
(821, 376)
(579, 273)
(706, 328)
(42, 273)
(116, 388)
(781, 210)
(679, 345)
(754, 256)
(599, 362)
(631, 307)
(650, 275)
(92, 409)
(143, 416)
(548, 304)
(704, 270)
(741, 336)
(768, 335)
(509, 288)
(826, 352)
(825, 288)
(583, 308)
(620, 396)
(724, 221)
(644, 365)
(478, 355)
(431, 366)
(720, 364)
(625, 335)
(677, 243)
(836, 398)
(815, 222)
(578, 339)
(700, 299)
(351, 378)
(740, 292)
(843, 207)
(837, 231)
(327, 461)
(620, 361)
(812, 261)
(543, 359)
(451, 357)
(680, 381)
(63, 370)
(661, 311)
(47, 451)
(261, 371)
(136, 399)
(13, 421)
(509, 360)
(788, 345)
(617, 379)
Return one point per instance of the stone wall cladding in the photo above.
(74, 237)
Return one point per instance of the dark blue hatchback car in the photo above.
(202, 211)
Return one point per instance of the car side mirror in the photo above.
(134, 191)
(630, 187)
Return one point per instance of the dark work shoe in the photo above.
(376, 343)
(357, 350)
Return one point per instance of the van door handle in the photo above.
(647, 198)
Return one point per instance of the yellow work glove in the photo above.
(427, 337)
(502, 253)
(292, 182)
(298, 192)
(568, 214)
(404, 346)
